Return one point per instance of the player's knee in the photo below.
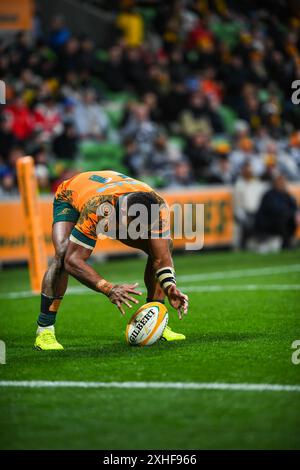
(60, 251)
(58, 261)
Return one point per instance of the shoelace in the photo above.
(48, 337)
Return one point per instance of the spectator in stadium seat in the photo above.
(173, 103)
(41, 168)
(7, 139)
(21, 119)
(277, 214)
(279, 160)
(135, 70)
(48, 118)
(16, 152)
(210, 85)
(27, 84)
(113, 72)
(245, 151)
(131, 24)
(249, 107)
(8, 179)
(200, 37)
(241, 130)
(86, 55)
(160, 159)
(200, 154)
(67, 109)
(69, 56)
(247, 195)
(151, 101)
(89, 117)
(134, 160)
(199, 113)
(59, 33)
(140, 126)
(182, 175)
(294, 147)
(234, 74)
(20, 50)
(177, 67)
(257, 69)
(65, 145)
(8, 186)
(157, 79)
(221, 171)
(171, 34)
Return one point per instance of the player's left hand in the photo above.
(178, 300)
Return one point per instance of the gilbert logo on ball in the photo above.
(147, 325)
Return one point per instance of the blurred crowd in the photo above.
(189, 92)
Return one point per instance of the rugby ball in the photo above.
(147, 325)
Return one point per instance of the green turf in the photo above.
(242, 336)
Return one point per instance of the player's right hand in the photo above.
(120, 294)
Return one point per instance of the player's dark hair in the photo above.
(147, 199)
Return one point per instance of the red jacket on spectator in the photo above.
(21, 118)
(48, 120)
(200, 37)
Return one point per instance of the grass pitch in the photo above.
(243, 318)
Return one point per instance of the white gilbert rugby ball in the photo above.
(147, 325)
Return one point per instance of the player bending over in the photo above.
(99, 202)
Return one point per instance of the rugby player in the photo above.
(83, 206)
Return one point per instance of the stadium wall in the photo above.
(81, 19)
(218, 223)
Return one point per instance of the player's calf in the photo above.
(51, 291)
(45, 339)
(53, 288)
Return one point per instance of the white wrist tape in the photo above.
(166, 277)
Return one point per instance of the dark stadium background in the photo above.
(177, 94)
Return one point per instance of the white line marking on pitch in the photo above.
(265, 271)
(214, 288)
(205, 289)
(242, 288)
(244, 387)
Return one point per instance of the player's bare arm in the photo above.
(163, 266)
(76, 265)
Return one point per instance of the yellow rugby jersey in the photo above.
(86, 191)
